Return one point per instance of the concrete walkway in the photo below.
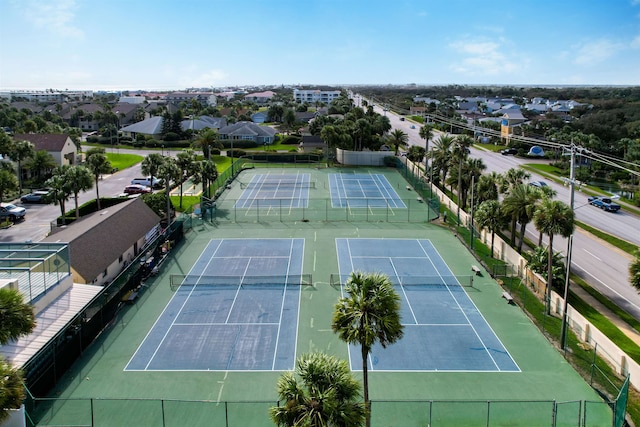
(621, 324)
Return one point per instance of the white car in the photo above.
(11, 212)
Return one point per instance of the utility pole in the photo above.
(563, 334)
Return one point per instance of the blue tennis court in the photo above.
(363, 190)
(443, 329)
(236, 310)
(282, 190)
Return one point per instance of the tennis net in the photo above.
(337, 280)
(278, 184)
(193, 280)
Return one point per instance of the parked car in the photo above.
(538, 184)
(147, 182)
(137, 189)
(35, 197)
(508, 151)
(11, 212)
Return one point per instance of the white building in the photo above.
(312, 96)
(132, 99)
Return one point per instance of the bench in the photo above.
(476, 269)
(508, 297)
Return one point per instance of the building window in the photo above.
(104, 273)
(120, 258)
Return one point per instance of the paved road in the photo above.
(603, 266)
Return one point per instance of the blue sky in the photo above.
(171, 44)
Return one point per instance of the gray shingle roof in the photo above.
(115, 229)
(247, 128)
(152, 126)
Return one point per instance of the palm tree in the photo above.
(490, 216)
(16, 320)
(397, 138)
(78, 179)
(513, 177)
(170, 171)
(546, 193)
(98, 164)
(440, 155)
(634, 271)
(471, 173)
(21, 151)
(520, 204)
(40, 164)
(185, 160)
(553, 217)
(487, 187)
(426, 133)
(368, 314)
(59, 190)
(207, 139)
(415, 155)
(205, 172)
(151, 164)
(321, 392)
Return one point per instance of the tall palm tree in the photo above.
(513, 177)
(368, 314)
(185, 160)
(40, 164)
(170, 171)
(553, 217)
(440, 155)
(415, 155)
(21, 151)
(16, 320)
(398, 139)
(490, 216)
(520, 204)
(487, 187)
(321, 392)
(151, 164)
(98, 164)
(471, 172)
(59, 190)
(207, 139)
(426, 133)
(78, 178)
(546, 193)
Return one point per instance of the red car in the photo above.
(136, 189)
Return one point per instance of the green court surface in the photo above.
(545, 391)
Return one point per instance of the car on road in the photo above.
(538, 184)
(508, 151)
(11, 212)
(147, 182)
(604, 203)
(136, 189)
(35, 197)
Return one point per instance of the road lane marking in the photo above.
(592, 255)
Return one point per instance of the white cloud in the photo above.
(56, 16)
(483, 58)
(596, 51)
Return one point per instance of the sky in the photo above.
(173, 45)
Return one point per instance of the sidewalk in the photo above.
(620, 324)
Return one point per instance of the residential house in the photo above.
(510, 119)
(259, 117)
(151, 127)
(260, 98)
(202, 122)
(121, 231)
(248, 131)
(312, 143)
(60, 146)
(204, 98)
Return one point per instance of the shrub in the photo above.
(291, 140)
(236, 153)
(171, 136)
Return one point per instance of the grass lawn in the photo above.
(123, 161)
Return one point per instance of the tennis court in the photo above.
(358, 190)
(276, 189)
(237, 309)
(443, 329)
